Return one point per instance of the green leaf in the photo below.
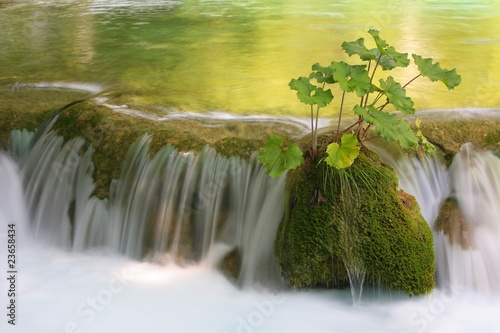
(358, 47)
(363, 112)
(381, 44)
(277, 159)
(406, 137)
(343, 155)
(386, 62)
(322, 97)
(385, 123)
(396, 95)
(304, 89)
(389, 57)
(400, 59)
(388, 125)
(351, 78)
(322, 74)
(435, 73)
(309, 93)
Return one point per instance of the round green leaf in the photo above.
(277, 159)
(343, 155)
(310, 94)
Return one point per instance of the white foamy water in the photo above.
(75, 292)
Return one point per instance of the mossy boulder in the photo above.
(358, 218)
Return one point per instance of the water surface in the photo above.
(238, 56)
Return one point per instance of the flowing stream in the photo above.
(182, 213)
(146, 258)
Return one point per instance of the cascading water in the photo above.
(12, 206)
(182, 206)
(471, 257)
(198, 208)
(179, 205)
(468, 244)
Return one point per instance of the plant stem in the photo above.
(317, 116)
(365, 97)
(416, 77)
(340, 112)
(377, 98)
(360, 126)
(365, 134)
(368, 94)
(313, 144)
(348, 128)
(380, 108)
(371, 79)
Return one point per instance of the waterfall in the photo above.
(12, 206)
(179, 206)
(202, 207)
(468, 246)
(472, 260)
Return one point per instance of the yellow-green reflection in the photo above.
(239, 56)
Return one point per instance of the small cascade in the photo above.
(467, 230)
(49, 174)
(12, 206)
(471, 242)
(177, 206)
(356, 282)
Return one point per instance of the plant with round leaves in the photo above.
(374, 97)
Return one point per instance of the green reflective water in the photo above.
(238, 56)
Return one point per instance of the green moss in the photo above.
(493, 138)
(11, 120)
(388, 236)
(450, 135)
(237, 146)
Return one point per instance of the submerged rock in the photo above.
(230, 265)
(365, 223)
(452, 223)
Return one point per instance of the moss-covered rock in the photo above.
(450, 134)
(357, 217)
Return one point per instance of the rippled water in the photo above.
(238, 56)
